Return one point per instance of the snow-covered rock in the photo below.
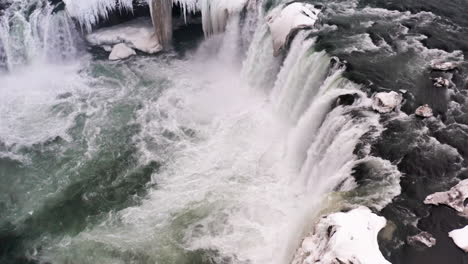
(423, 238)
(386, 102)
(424, 111)
(460, 237)
(344, 238)
(454, 198)
(121, 51)
(283, 23)
(444, 66)
(137, 34)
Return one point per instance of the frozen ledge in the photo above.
(283, 23)
(344, 238)
(137, 34)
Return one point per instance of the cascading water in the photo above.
(42, 35)
(227, 154)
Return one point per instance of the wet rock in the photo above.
(121, 51)
(422, 239)
(454, 198)
(284, 23)
(424, 111)
(386, 102)
(346, 99)
(440, 82)
(460, 237)
(444, 66)
(137, 34)
(344, 238)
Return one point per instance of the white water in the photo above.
(41, 36)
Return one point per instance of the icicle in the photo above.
(161, 14)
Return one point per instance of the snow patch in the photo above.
(460, 237)
(137, 34)
(344, 238)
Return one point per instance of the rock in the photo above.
(424, 111)
(386, 102)
(344, 238)
(440, 82)
(346, 99)
(423, 238)
(460, 237)
(137, 34)
(454, 198)
(121, 51)
(444, 66)
(283, 23)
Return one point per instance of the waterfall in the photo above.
(42, 35)
(230, 154)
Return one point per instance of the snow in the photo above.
(386, 102)
(454, 198)
(424, 111)
(121, 51)
(344, 238)
(444, 66)
(283, 23)
(460, 237)
(137, 34)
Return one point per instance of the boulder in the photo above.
(285, 22)
(460, 237)
(121, 51)
(344, 238)
(137, 34)
(422, 239)
(346, 99)
(453, 198)
(386, 102)
(424, 111)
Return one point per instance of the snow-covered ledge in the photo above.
(283, 23)
(136, 34)
(344, 238)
